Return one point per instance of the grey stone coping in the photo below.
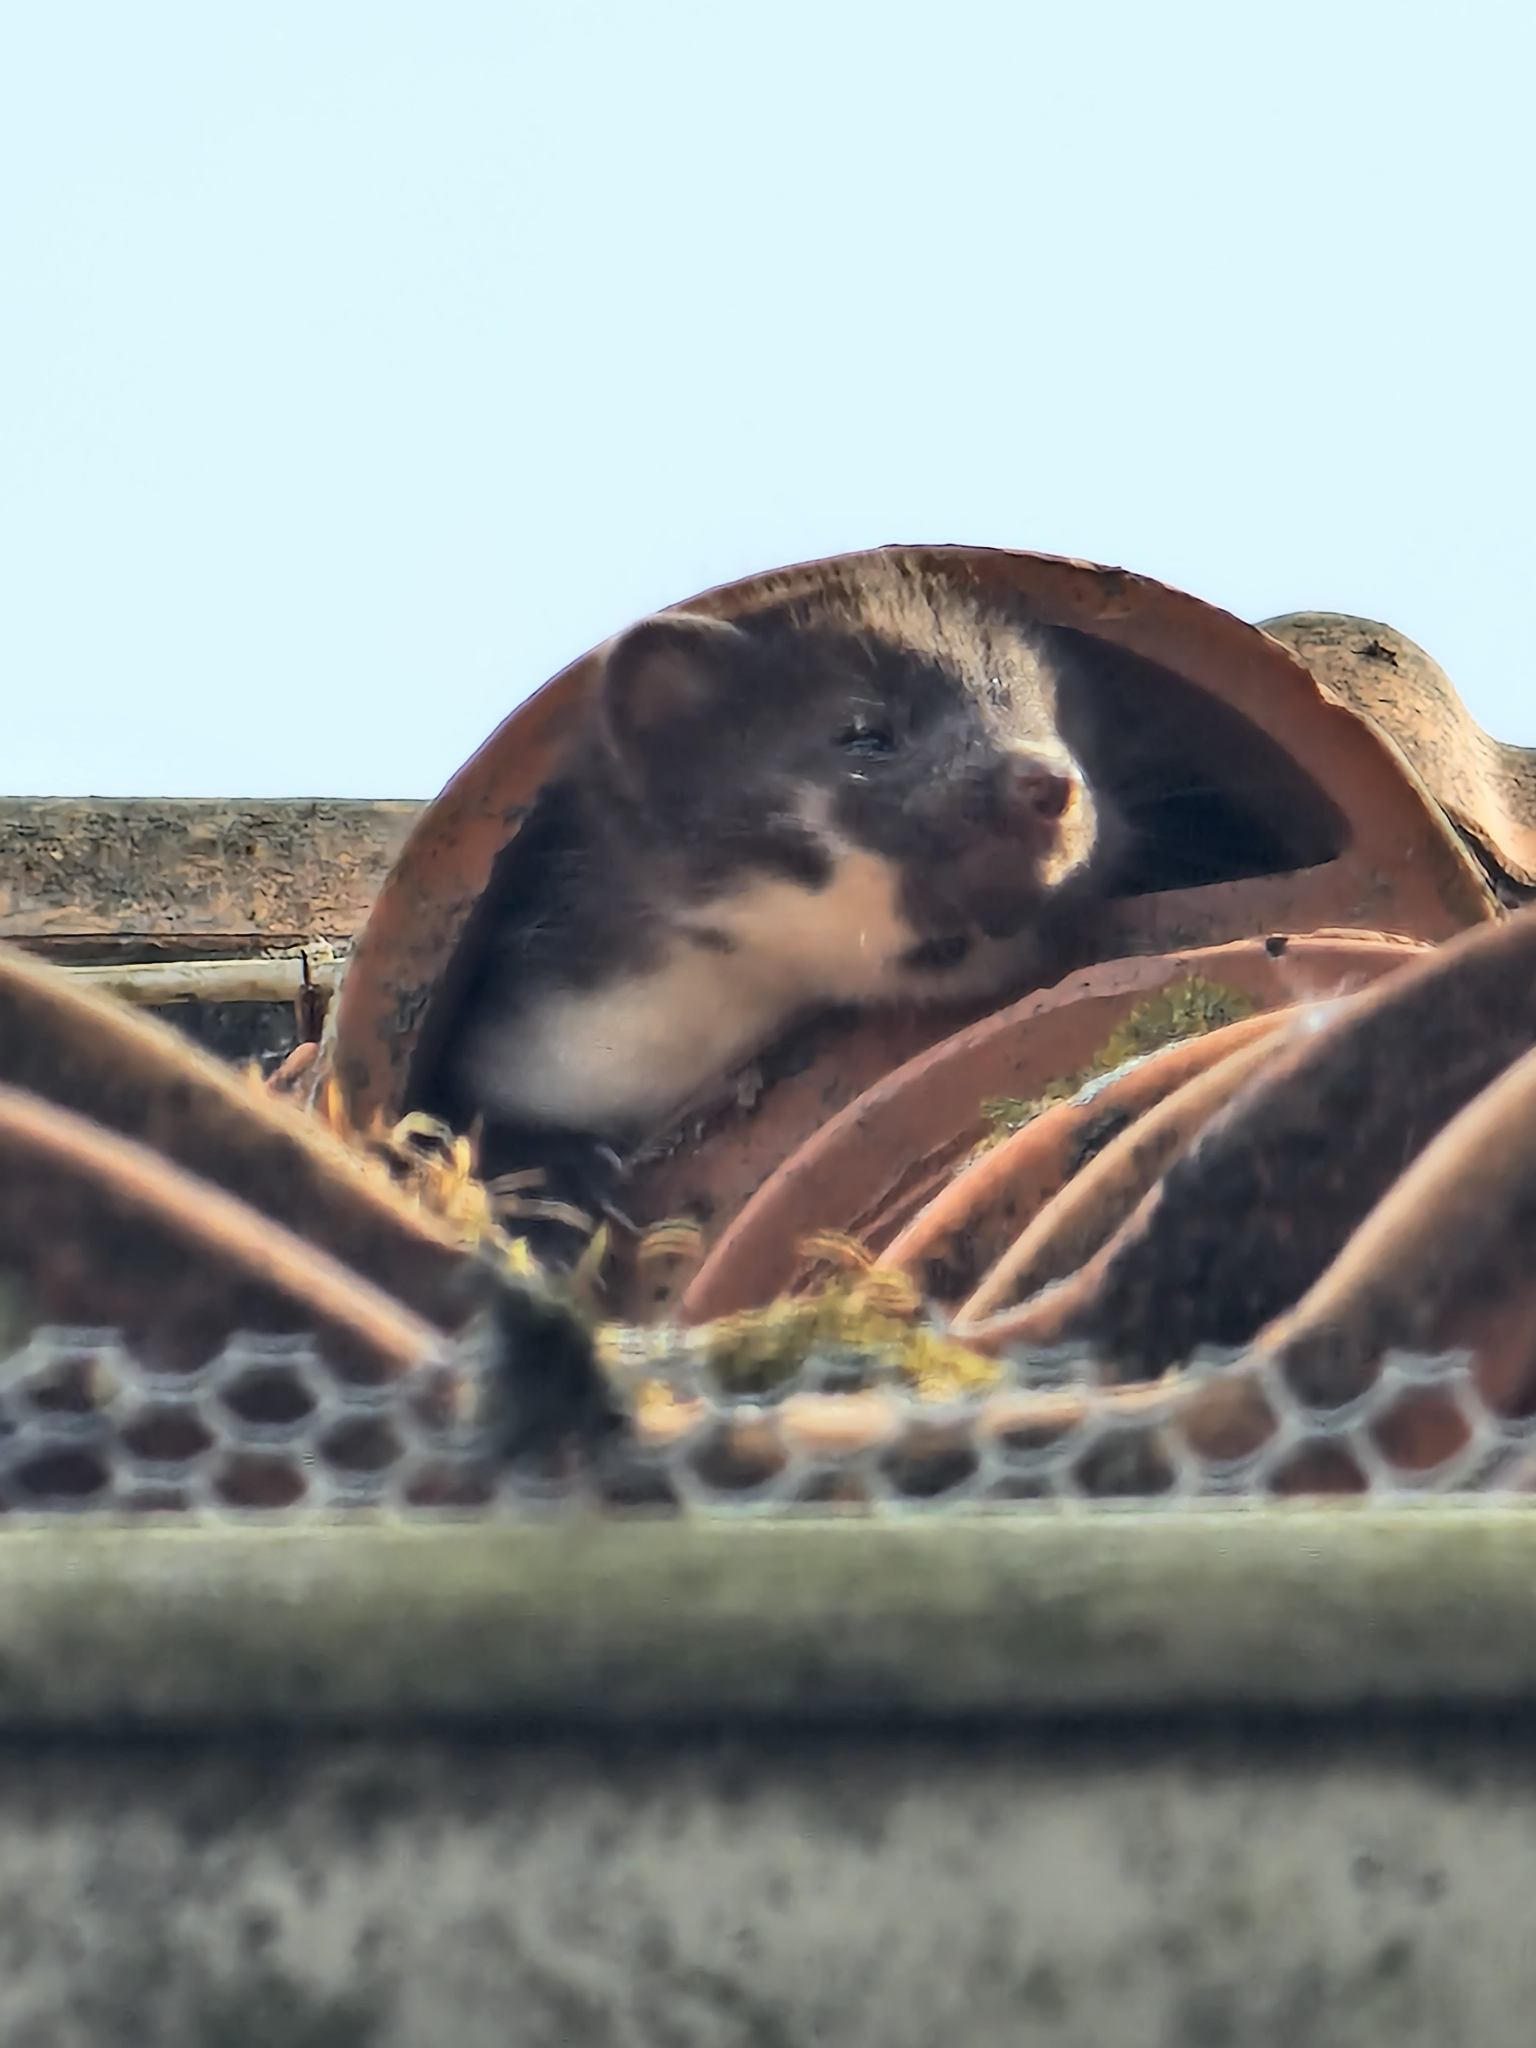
(582, 1618)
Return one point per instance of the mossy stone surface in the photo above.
(617, 1618)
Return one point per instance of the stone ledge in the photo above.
(1034, 1612)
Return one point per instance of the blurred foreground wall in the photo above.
(1188, 1885)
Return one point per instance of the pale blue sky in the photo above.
(362, 363)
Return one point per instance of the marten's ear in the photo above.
(668, 671)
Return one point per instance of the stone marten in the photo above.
(857, 795)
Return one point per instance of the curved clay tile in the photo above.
(972, 1223)
(132, 1074)
(1186, 678)
(1442, 1263)
(1258, 1208)
(100, 1231)
(1071, 1227)
(870, 1169)
(133, 1077)
(1487, 786)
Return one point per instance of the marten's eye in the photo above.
(867, 741)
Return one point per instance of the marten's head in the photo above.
(889, 714)
(853, 796)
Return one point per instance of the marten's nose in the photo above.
(1035, 790)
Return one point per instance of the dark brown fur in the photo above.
(919, 725)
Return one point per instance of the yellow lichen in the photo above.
(863, 1308)
(677, 1241)
(435, 1167)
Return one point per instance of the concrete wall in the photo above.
(960, 1780)
(1169, 1888)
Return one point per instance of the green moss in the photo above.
(871, 1326)
(760, 1349)
(1185, 1009)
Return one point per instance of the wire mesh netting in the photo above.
(271, 1426)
